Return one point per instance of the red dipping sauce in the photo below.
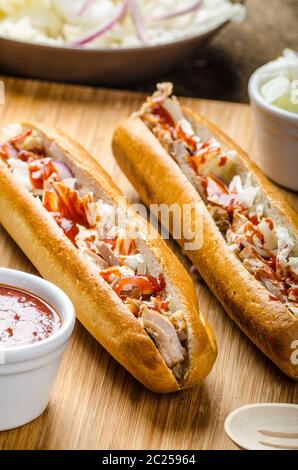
(24, 318)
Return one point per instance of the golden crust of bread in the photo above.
(159, 180)
(98, 308)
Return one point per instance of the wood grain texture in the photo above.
(95, 404)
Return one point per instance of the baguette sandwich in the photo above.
(129, 291)
(249, 254)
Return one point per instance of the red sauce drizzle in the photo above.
(293, 292)
(222, 161)
(254, 219)
(40, 171)
(165, 118)
(273, 297)
(68, 226)
(188, 139)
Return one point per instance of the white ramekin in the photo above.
(27, 373)
(276, 131)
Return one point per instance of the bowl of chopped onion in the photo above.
(106, 41)
(273, 91)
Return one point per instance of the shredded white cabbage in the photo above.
(293, 265)
(60, 21)
(270, 236)
(277, 239)
(9, 132)
(246, 193)
(21, 172)
(284, 247)
(104, 215)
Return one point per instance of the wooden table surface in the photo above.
(96, 404)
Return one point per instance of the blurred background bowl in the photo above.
(96, 66)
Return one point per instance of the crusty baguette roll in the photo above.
(146, 147)
(104, 313)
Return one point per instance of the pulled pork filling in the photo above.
(102, 236)
(234, 202)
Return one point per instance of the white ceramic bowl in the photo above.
(27, 373)
(276, 131)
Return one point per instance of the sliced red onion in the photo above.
(138, 21)
(84, 7)
(104, 29)
(183, 11)
(63, 171)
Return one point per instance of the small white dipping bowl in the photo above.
(27, 373)
(276, 130)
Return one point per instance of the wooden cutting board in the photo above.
(96, 404)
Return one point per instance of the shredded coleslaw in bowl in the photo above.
(113, 23)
